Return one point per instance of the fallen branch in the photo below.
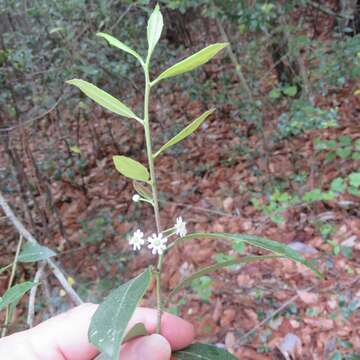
(30, 121)
(52, 264)
(243, 339)
(328, 11)
(234, 60)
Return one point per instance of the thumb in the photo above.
(152, 347)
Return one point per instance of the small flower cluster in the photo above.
(157, 242)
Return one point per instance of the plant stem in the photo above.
(149, 150)
(12, 276)
(153, 187)
(158, 300)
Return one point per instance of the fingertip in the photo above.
(152, 347)
(177, 331)
(180, 333)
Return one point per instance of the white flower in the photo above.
(180, 227)
(136, 198)
(157, 243)
(137, 240)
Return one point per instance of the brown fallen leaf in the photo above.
(289, 348)
(308, 297)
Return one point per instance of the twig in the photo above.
(199, 208)
(11, 280)
(47, 295)
(243, 339)
(328, 11)
(33, 291)
(39, 117)
(117, 22)
(234, 60)
(53, 266)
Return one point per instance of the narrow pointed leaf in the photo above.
(209, 269)
(102, 98)
(136, 331)
(203, 352)
(108, 325)
(131, 168)
(192, 62)
(185, 132)
(143, 191)
(35, 252)
(257, 241)
(120, 45)
(102, 357)
(15, 293)
(154, 29)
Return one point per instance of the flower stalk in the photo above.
(154, 190)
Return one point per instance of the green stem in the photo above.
(153, 187)
(158, 300)
(12, 276)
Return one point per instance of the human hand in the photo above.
(64, 337)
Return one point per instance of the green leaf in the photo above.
(354, 179)
(330, 156)
(324, 144)
(203, 352)
(290, 90)
(277, 218)
(345, 139)
(355, 155)
(118, 44)
(108, 324)
(103, 98)
(131, 168)
(192, 62)
(136, 331)
(344, 152)
(357, 144)
(143, 191)
(313, 195)
(15, 293)
(185, 132)
(75, 150)
(354, 356)
(210, 269)
(257, 241)
(102, 357)
(154, 29)
(353, 191)
(239, 247)
(274, 93)
(338, 185)
(202, 286)
(336, 356)
(35, 252)
(55, 30)
(328, 195)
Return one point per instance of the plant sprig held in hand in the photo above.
(108, 326)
